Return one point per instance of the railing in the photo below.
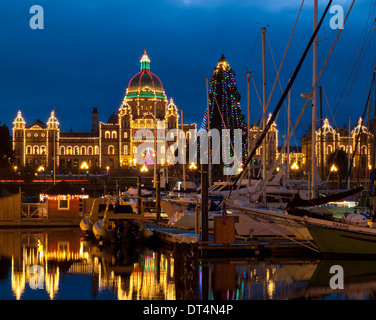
(34, 210)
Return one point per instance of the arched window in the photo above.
(29, 150)
(126, 150)
(90, 151)
(62, 151)
(114, 135)
(161, 134)
(36, 150)
(96, 150)
(329, 149)
(188, 135)
(76, 151)
(111, 150)
(43, 150)
(125, 135)
(107, 135)
(83, 151)
(69, 150)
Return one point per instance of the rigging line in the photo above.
(297, 69)
(360, 128)
(309, 95)
(284, 55)
(355, 66)
(330, 109)
(363, 37)
(254, 84)
(275, 67)
(345, 97)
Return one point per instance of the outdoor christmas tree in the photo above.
(224, 105)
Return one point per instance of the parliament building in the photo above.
(145, 111)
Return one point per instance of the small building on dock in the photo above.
(10, 206)
(64, 201)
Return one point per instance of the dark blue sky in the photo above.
(89, 50)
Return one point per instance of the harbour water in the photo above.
(57, 264)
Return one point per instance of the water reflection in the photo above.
(58, 264)
(125, 272)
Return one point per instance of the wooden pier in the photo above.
(172, 237)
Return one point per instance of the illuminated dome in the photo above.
(145, 84)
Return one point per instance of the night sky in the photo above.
(89, 50)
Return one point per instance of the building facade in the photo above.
(356, 145)
(145, 115)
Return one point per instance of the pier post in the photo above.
(204, 202)
(139, 195)
(158, 197)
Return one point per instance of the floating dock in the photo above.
(172, 237)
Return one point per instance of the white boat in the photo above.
(121, 221)
(245, 225)
(96, 213)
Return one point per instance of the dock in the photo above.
(173, 237)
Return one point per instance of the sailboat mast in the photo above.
(288, 132)
(248, 125)
(314, 102)
(182, 129)
(349, 152)
(263, 103)
(209, 145)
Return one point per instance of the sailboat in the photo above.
(278, 216)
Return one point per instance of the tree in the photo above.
(224, 106)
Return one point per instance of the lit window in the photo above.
(107, 135)
(114, 134)
(63, 204)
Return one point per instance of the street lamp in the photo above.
(144, 168)
(84, 166)
(41, 169)
(333, 168)
(295, 166)
(192, 166)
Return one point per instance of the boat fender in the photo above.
(147, 234)
(356, 220)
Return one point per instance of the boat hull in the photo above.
(336, 241)
(85, 226)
